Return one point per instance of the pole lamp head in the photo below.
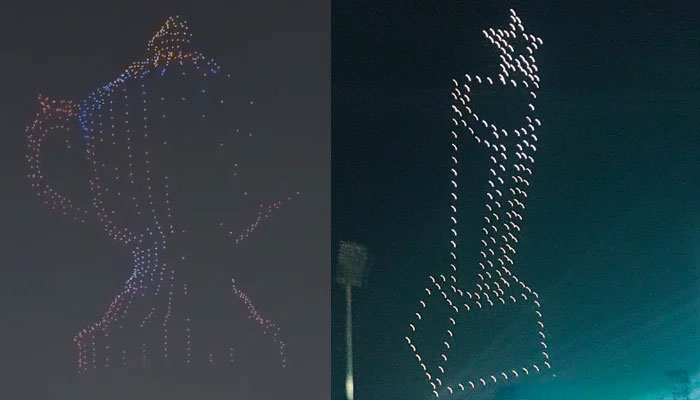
(352, 264)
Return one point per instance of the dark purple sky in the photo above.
(56, 276)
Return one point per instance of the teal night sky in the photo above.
(611, 238)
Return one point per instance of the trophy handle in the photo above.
(265, 211)
(54, 117)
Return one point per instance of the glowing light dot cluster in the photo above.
(263, 214)
(266, 325)
(132, 200)
(510, 151)
(52, 116)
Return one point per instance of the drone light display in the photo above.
(450, 324)
(139, 187)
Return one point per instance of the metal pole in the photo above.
(349, 387)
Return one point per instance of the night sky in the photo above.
(610, 238)
(58, 276)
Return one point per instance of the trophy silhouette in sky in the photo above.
(482, 325)
(164, 146)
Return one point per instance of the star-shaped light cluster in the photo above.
(510, 152)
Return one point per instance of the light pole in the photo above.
(352, 263)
